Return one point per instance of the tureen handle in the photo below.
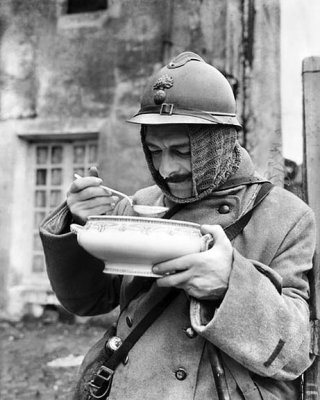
(75, 228)
(206, 242)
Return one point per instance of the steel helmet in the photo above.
(187, 91)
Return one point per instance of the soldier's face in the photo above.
(170, 150)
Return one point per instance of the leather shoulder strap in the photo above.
(242, 377)
(244, 180)
(234, 229)
(101, 382)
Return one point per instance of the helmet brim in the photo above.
(161, 119)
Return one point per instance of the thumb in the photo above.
(220, 239)
(93, 171)
(215, 231)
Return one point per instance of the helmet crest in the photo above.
(164, 82)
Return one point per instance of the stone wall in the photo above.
(72, 70)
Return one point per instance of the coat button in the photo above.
(114, 343)
(129, 321)
(224, 209)
(190, 332)
(181, 374)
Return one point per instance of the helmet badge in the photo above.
(164, 82)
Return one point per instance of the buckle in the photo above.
(105, 374)
(166, 108)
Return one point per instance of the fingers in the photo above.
(106, 202)
(81, 202)
(90, 192)
(87, 197)
(86, 182)
(186, 262)
(204, 274)
(177, 280)
(173, 266)
(81, 210)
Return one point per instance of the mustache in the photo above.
(178, 178)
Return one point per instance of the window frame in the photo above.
(68, 166)
(33, 133)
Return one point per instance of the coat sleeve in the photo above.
(263, 320)
(75, 276)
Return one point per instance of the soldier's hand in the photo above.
(202, 275)
(86, 197)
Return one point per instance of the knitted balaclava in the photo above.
(215, 156)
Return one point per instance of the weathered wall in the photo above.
(7, 155)
(73, 69)
(63, 66)
(59, 69)
(261, 109)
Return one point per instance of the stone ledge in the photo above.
(95, 19)
(75, 128)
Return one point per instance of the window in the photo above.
(83, 6)
(55, 164)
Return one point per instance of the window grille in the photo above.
(54, 168)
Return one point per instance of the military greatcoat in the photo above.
(261, 325)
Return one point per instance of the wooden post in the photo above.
(311, 131)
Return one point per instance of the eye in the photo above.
(155, 152)
(182, 152)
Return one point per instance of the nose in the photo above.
(168, 165)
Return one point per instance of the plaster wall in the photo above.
(72, 70)
(6, 197)
(261, 111)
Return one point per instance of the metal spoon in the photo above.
(144, 211)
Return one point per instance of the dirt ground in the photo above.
(36, 356)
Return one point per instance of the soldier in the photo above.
(247, 296)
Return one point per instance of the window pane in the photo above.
(38, 263)
(56, 176)
(50, 171)
(56, 154)
(38, 218)
(55, 198)
(42, 154)
(40, 198)
(79, 154)
(41, 178)
(92, 153)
